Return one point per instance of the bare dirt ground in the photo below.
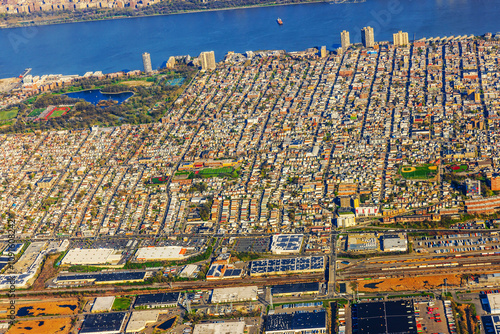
(419, 284)
(33, 308)
(135, 83)
(48, 272)
(6, 85)
(50, 326)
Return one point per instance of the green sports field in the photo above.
(59, 111)
(216, 171)
(36, 112)
(418, 172)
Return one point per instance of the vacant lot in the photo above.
(420, 284)
(121, 304)
(51, 326)
(48, 272)
(30, 308)
(7, 84)
(135, 83)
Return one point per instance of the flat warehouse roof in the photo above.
(163, 253)
(103, 322)
(386, 317)
(296, 321)
(157, 298)
(220, 327)
(234, 294)
(287, 242)
(103, 304)
(87, 256)
(295, 288)
(104, 277)
(309, 263)
(494, 302)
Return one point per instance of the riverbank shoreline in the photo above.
(121, 17)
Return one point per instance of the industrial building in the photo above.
(385, 317)
(489, 278)
(493, 302)
(237, 294)
(305, 264)
(491, 324)
(394, 242)
(140, 319)
(156, 300)
(295, 288)
(101, 278)
(286, 243)
(297, 322)
(166, 253)
(189, 270)
(104, 323)
(234, 327)
(223, 271)
(79, 256)
(13, 248)
(102, 304)
(362, 242)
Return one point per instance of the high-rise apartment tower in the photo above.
(345, 40)
(367, 37)
(207, 60)
(146, 61)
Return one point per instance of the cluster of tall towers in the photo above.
(368, 38)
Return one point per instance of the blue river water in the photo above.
(94, 96)
(115, 45)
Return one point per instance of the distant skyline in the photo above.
(115, 45)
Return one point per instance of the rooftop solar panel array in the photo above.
(104, 277)
(157, 298)
(287, 242)
(215, 270)
(390, 317)
(295, 288)
(232, 273)
(309, 263)
(297, 321)
(103, 323)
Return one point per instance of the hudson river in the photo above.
(115, 45)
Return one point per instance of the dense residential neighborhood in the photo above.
(269, 190)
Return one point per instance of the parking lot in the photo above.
(257, 245)
(467, 242)
(431, 316)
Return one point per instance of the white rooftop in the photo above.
(220, 328)
(494, 301)
(225, 295)
(286, 243)
(90, 256)
(139, 320)
(161, 253)
(103, 304)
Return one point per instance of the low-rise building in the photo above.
(237, 294)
